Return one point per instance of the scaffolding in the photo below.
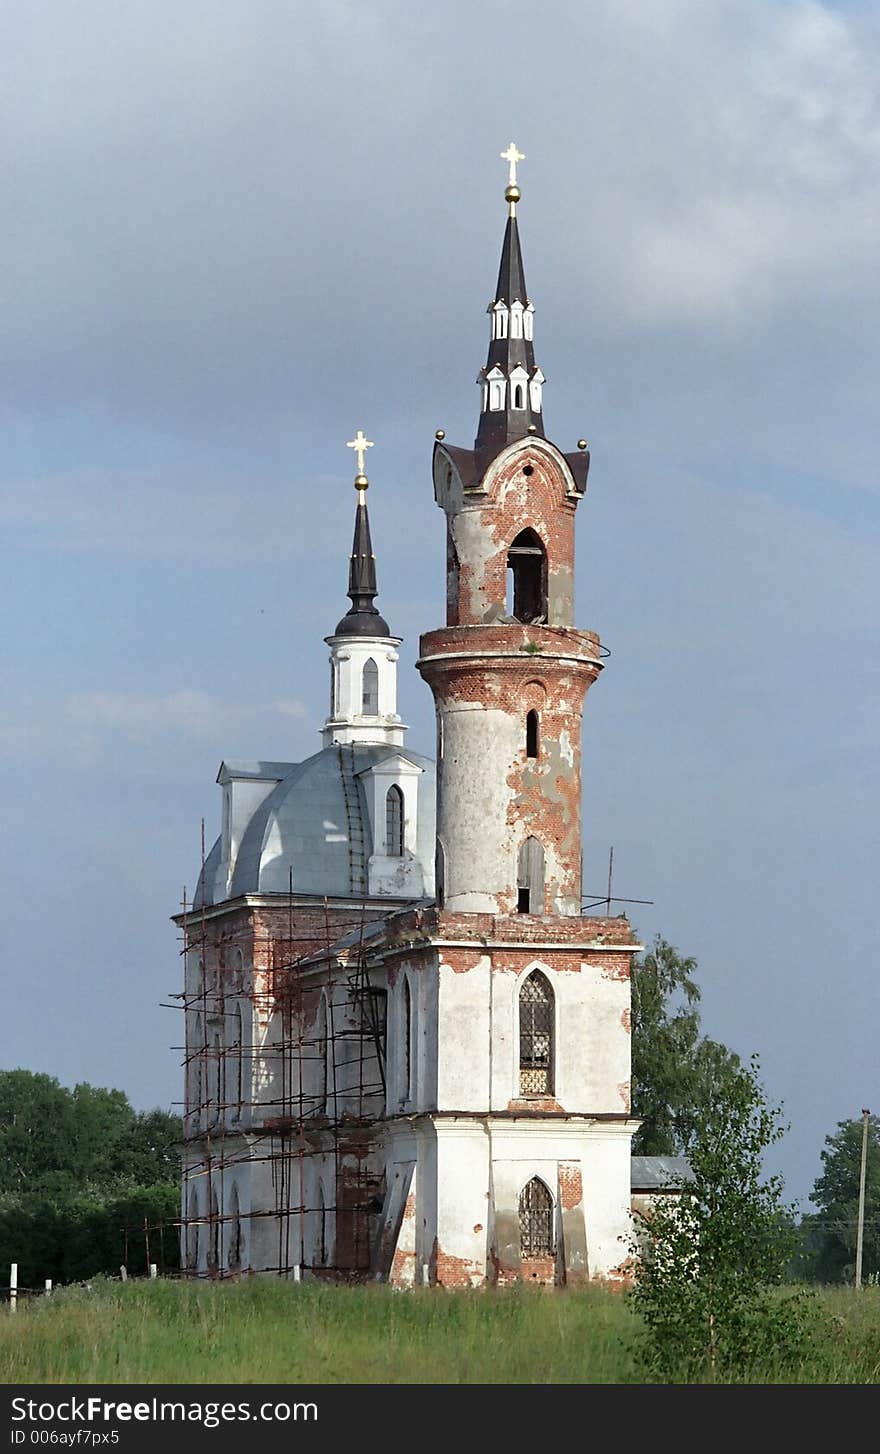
(307, 1084)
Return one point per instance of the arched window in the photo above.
(440, 874)
(527, 563)
(536, 1220)
(214, 1254)
(530, 878)
(322, 1228)
(370, 693)
(407, 1041)
(214, 1109)
(192, 1230)
(196, 1057)
(532, 735)
(321, 1045)
(238, 1052)
(536, 1036)
(394, 822)
(518, 397)
(233, 1260)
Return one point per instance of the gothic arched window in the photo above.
(536, 1036)
(518, 397)
(527, 564)
(394, 822)
(536, 1220)
(370, 692)
(530, 878)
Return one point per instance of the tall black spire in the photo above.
(362, 618)
(511, 383)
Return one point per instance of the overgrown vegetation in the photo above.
(81, 1172)
(265, 1331)
(709, 1261)
(677, 1072)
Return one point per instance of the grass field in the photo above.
(271, 1332)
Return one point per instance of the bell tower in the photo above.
(509, 1127)
(509, 672)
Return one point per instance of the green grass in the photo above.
(271, 1332)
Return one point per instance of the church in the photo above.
(407, 1052)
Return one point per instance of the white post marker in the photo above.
(297, 1272)
(48, 1287)
(154, 1270)
(123, 1273)
(13, 1286)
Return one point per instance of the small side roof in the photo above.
(658, 1173)
(267, 772)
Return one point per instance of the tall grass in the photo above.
(271, 1332)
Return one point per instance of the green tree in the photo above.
(676, 1071)
(829, 1235)
(708, 1260)
(80, 1172)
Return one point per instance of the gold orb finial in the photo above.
(360, 481)
(532, 429)
(582, 444)
(440, 434)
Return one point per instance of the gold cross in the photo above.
(512, 156)
(361, 444)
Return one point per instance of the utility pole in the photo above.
(860, 1231)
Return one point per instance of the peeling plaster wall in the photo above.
(491, 795)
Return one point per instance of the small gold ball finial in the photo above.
(533, 429)
(361, 482)
(512, 194)
(582, 444)
(440, 434)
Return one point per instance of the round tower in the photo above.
(509, 672)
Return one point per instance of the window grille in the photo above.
(536, 1037)
(536, 1220)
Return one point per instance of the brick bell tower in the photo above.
(514, 1162)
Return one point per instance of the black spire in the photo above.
(362, 619)
(510, 381)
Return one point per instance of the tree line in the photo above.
(87, 1183)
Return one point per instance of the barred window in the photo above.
(536, 1220)
(536, 1036)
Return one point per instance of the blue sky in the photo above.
(235, 234)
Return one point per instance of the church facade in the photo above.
(407, 1047)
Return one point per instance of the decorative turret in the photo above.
(511, 382)
(363, 653)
